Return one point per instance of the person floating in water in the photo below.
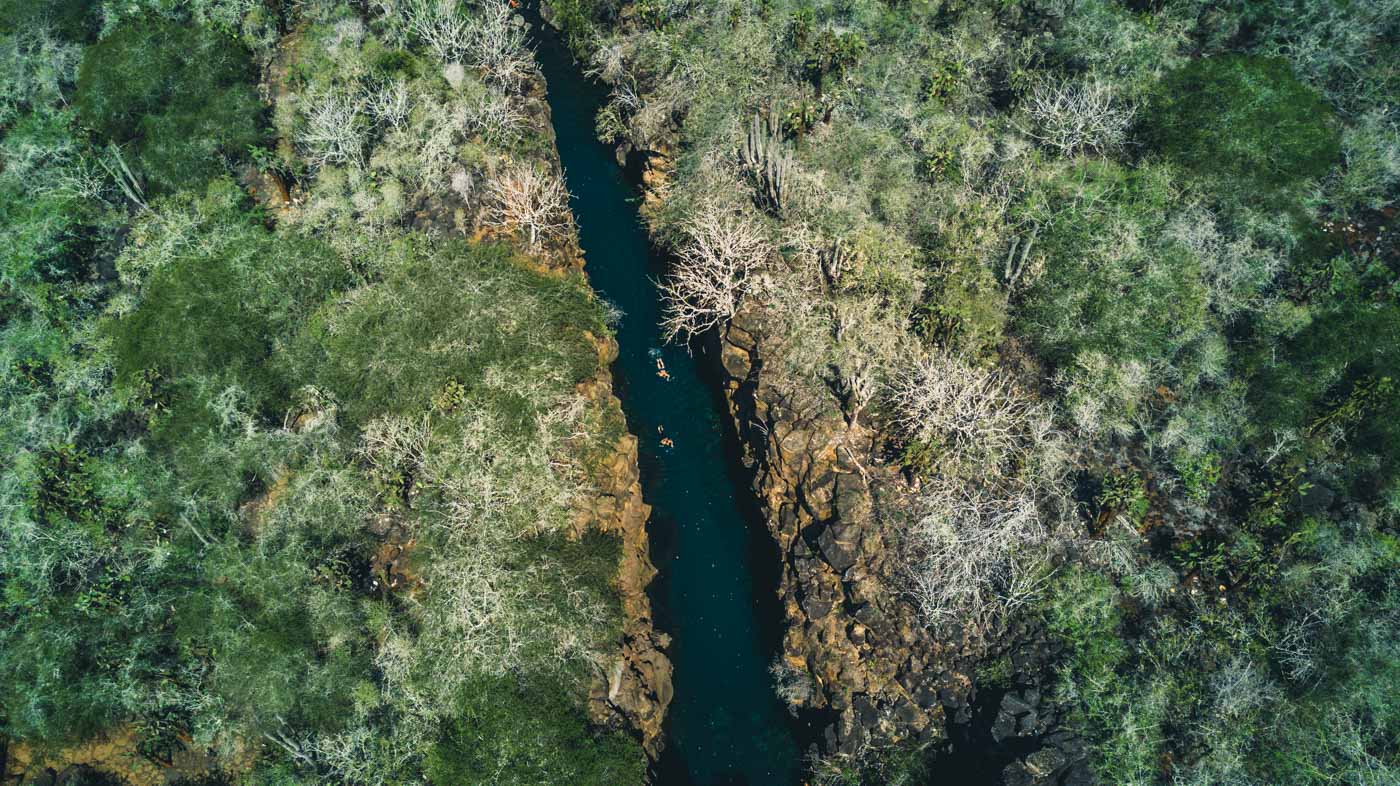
(665, 440)
(661, 369)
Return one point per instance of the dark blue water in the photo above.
(726, 726)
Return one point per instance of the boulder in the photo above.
(840, 545)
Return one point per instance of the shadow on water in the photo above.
(718, 567)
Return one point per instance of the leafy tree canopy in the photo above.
(182, 94)
(1244, 118)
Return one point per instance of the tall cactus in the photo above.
(767, 161)
(836, 259)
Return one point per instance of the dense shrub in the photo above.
(180, 94)
(1325, 382)
(73, 20)
(448, 311)
(218, 429)
(1132, 191)
(50, 236)
(522, 731)
(1112, 281)
(217, 309)
(1244, 121)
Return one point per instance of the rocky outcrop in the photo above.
(879, 673)
(116, 757)
(877, 670)
(636, 688)
(1025, 720)
(856, 656)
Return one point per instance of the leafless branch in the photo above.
(528, 200)
(712, 271)
(1075, 116)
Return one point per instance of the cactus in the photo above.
(836, 259)
(768, 162)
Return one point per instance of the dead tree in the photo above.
(712, 271)
(527, 200)
(993, 479)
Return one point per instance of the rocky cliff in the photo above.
(874, 668)
(637, 686)
(855, 651)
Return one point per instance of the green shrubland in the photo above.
(182, 96)
(222, 415)
(1163, 230)
(1246, 121)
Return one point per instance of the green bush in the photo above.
(511, 730)
(1325, 376)
(448, 311)
(587, 564)
(49, 237)
(967, 312)
(73, 20)
(220, 306)
(285, 638)
(1112, 283)
(1245, 121)
(180, 94)
(174, 555)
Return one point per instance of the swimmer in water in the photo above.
(661, 369)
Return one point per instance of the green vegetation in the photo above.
(290, 482)
(293, 464)
(206, 314)
(518, 737)
(182, 95)
(523, 334)
(1151, 241)
(1246, 120)
(1106, 294)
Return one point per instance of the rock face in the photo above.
(1060, 761)
(876, 668)
(855, 651)
(115, 753)
(878, 671)
(637, 687)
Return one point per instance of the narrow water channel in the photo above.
(726, 726)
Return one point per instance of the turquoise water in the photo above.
(725, 725)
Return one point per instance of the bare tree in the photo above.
(485, 36)
(529, 200)
(498, 45)
(994, 478)
(973, 417)
(867, 341)
(1075, 116)
(712, 271)
(793, 685)
(439, 24)
(965, 556)
(334, 130)
(388, 102)
(1236, 271)
(495, 116)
